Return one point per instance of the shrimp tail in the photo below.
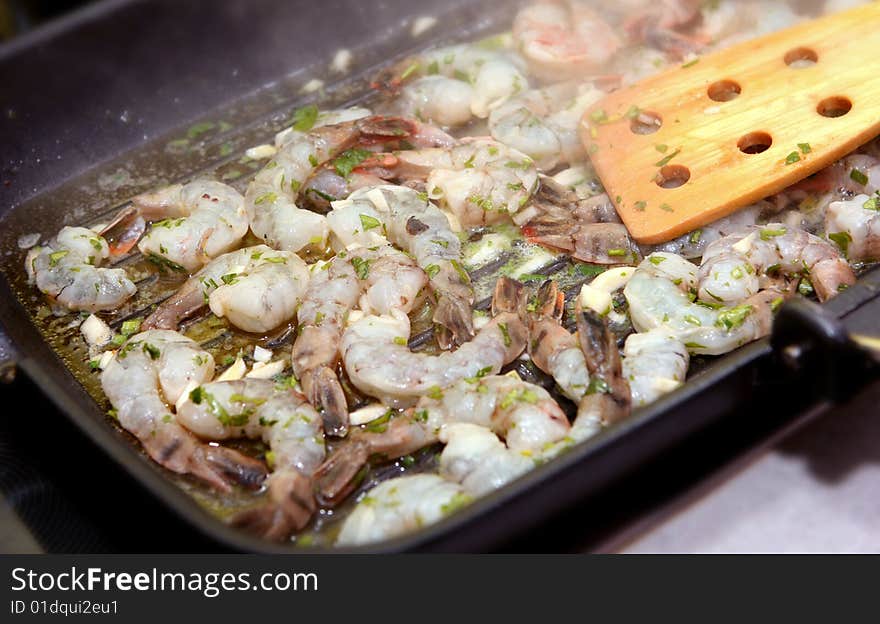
(609, 393)
(831, 276)
(126, 229)
(342, 472)
(291, 508)
(179, 451)
(182, 304)
(455, 321)
(325, 392)
(549, 302)
(509, 296)
(234, 466)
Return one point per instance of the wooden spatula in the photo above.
(691, 145)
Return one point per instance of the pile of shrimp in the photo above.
(357, 224)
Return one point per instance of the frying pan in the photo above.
(94, 108)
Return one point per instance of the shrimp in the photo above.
(661, 24)
(524, 414)
(476, 457)
(654, 363)
(480, 181)
(379, 280)
(557, 218)
(271, 197)
(563, 39)
(148, 374)
(544, 123)
(728, 22)
(309, 118)
(660, 296)
(281, 417)
(437, 99)
(379, 363)
(68, 270)
(693, 244)
(479, 460)
(732, 266)
(417, 226)
(256, 288)
(552, 348)
(398, 506)
(451, 84)
(199, 221)
(855, 226)
(358, 167)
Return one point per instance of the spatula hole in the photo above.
(755, 143)
(835, 106)
(673, 176)
(800, 58)
(646, 123)
(724, 91)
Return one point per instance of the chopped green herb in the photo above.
(304, 118)
(266, 197)
(240, 398)
(458, 500)
(805, 287)
(598, 385)
(361, 267)
(505, 333)
(165, 262)
(691, 63)
(436, 393)
(842, 239)
(152, 350)
(665, 161)
(769, 233)
(857, 176)
(792, 158)
(56, 256)
(599, 115)
(400, 340)
(734, 317)
(348, 161)
(693, 320)
(805, 148)
(369, 222)
(479, 375)
(409, 71)
(431, 270)
(130, 327)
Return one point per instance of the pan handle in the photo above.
(815, 348)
